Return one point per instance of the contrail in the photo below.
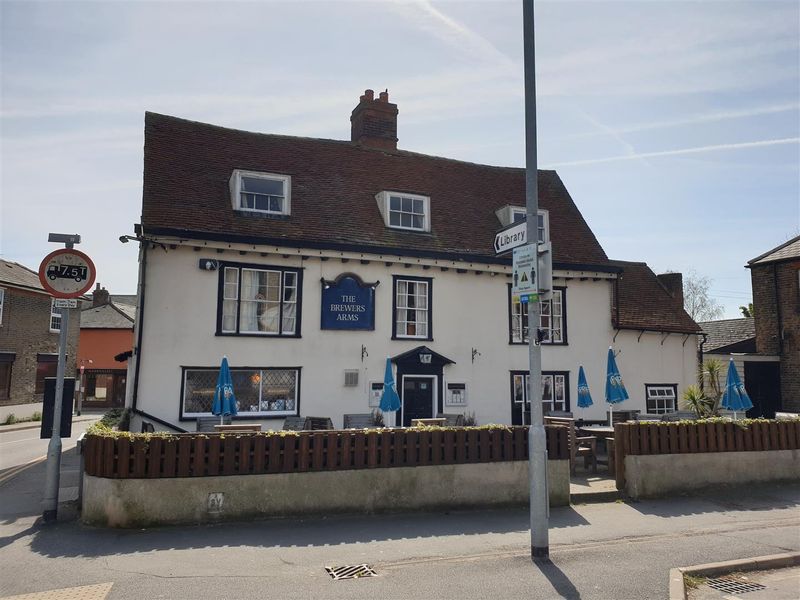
(594, 161)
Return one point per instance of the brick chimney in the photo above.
(373, 122)
(99, 296)
(674, 284)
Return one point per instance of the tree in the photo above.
(696, 299)
(747, 311)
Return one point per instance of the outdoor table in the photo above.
(605, 433)
(243, 427)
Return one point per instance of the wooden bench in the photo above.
(295, 424)
(207, 423)
(319, 423)
(358, 421)
(238, 427)
(451, 420)
(585, 446)
(428, 422)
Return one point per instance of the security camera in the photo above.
(208, 264)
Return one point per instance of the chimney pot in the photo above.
(100, 296)
(384, 96)
(369, 94)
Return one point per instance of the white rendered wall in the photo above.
(469, 311)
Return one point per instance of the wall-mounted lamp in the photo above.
(208, 264)
(475, 353)
(364, 352)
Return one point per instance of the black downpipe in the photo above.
(140, 317)
(778, 308)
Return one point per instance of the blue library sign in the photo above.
(348, 303)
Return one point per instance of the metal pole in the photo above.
(53, 472)
(537, 444)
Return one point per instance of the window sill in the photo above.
(411, 338)
(259, 335)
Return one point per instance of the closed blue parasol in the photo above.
(584, 397)
(735, 397)
(615, 388)
(224, 398)
(390, 401)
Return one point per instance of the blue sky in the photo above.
(674, 125)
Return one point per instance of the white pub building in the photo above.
(308, 262)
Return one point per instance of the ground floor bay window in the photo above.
(260, 392)
(555, 395)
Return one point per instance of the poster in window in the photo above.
(456, 394)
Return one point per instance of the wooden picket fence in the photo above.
(684, 438)
(212, 454)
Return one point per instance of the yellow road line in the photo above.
(18, 469)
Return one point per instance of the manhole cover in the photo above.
(350, 572)
(734, 585)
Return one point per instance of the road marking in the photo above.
(85, 592)
(18, 469)
(22, 440)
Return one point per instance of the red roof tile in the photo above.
(187, 166)
(642, 302)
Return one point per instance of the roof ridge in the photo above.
(344, 143)
(724, 320)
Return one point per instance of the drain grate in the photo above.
(734, 585)
(350, 572)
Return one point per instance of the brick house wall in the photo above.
(25, 331)
(777, 322)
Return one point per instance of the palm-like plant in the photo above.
(698, 402)
(711, 382)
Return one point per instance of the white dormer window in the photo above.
(405, 211)
(268, 193)
(508, 215)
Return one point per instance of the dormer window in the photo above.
(508, 215)
(405, 211)
(267, 193)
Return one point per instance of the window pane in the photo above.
(394, 203)
(394, 219)
(418, 207)
(5, 380)
(407, 205)
(406, 220)
(276, 204)
(517, 216)
(258, 185)
(418, 222)
(44, 369)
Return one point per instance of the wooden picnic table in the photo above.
(602, 431)
(240, 427)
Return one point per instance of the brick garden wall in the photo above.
(25, 331)
(769, 338)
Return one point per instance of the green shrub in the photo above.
(10, 419)
(112, 417)
(37, 416)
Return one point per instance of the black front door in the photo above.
(417, 398)
(762, 382)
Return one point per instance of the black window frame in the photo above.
(526, 401)
(7, 358)
(44, 359)
(241, 415)
(429, 281)
(298, 271)
(564, 338)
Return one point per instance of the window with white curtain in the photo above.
(551, 320)
(259, 301)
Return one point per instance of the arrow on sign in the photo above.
(510, 237)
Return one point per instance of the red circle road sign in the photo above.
(67, 273)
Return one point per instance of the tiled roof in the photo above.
(642, 302)
(15, 274)
(123, 299)
(786, 251)
(106, 316)
(721, 334)
(187, 167)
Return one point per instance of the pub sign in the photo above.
(348, 303)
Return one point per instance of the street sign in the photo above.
(67, 273)
(65, 303)
(524, 283)
(510, 237)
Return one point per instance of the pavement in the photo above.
(92, 416)
(20, 447)
(609, 550)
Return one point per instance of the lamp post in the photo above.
(537, 442)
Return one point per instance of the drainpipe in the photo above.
(778, 308)
(137, 354)
(700, 358)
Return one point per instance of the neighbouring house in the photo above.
(307, 262)
(735, 339)
(105, 343)
(29, 336)
(775, 277)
